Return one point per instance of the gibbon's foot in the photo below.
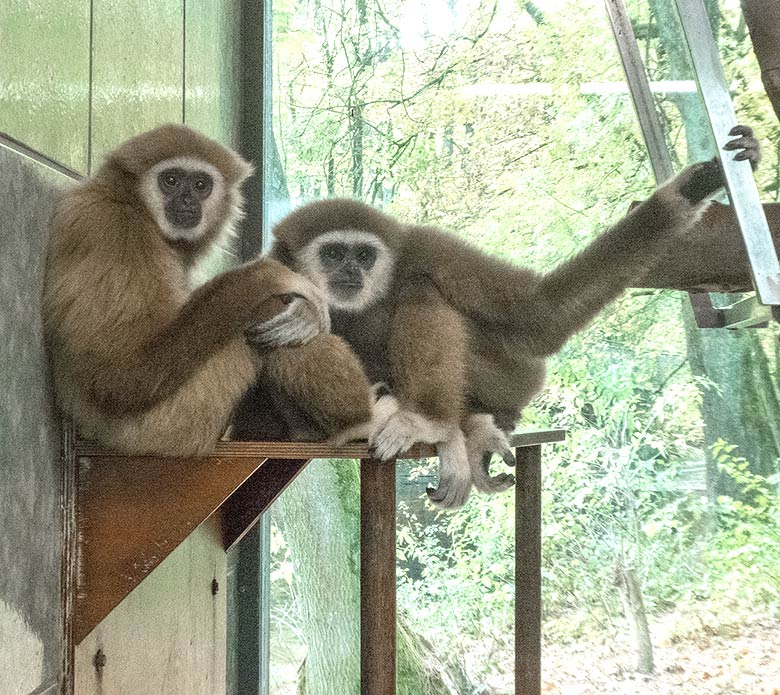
(401, 430)
(483, 439)
(701, 180)
(454, 474)
(750, 149)
(296, 325)
(490, 484)
(382, 409)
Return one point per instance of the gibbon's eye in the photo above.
(333, 252)
(169, 180)
(203, 184)
(366, 255)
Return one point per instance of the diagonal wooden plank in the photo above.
(243, 509)
(132, 513)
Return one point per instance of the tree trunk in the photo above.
(318, 518)
(322, 544)
(763, 21)
(630, 592)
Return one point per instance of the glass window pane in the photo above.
(510, 124)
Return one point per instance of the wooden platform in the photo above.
(133, 511)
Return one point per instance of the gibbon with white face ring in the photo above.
(143, 362)
(181, 194)
(461, 337)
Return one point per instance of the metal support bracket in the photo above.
(762, 258)
(740, 183)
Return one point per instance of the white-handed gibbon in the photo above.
(459, 336)
(146, 363)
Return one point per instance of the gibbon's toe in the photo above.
(486, 483)
(451, 494)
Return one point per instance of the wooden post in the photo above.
(377, 577)
(528, 571)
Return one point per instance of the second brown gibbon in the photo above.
(459, 336)
(143, 361)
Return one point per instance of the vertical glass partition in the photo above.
(511, 124)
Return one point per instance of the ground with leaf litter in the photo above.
(730, 659)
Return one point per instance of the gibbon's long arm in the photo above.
(220, 310)
(572, 294)
(262, 293)
(542, 312)
(569, 297)
(427, 350)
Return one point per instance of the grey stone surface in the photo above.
(30, 474)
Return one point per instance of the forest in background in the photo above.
(509, 123)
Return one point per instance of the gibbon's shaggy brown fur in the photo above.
(457, 334)
(141, 361)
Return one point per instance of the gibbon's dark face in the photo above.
(345, 266)
(184, 193)
(352, 267)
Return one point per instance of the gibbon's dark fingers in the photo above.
(751, 150)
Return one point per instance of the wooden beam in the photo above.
(132, 512)
(528, 571)
(377, 577)
(711, 257)
(243, 509)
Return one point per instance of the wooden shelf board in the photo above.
(311, 450)
(133, 511)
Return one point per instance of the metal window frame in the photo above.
(249, 561)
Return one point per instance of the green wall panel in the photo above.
(212, 69)
(138, 72)
(44, 76)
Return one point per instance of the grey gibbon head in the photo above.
(344, 247)
(189, 184)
